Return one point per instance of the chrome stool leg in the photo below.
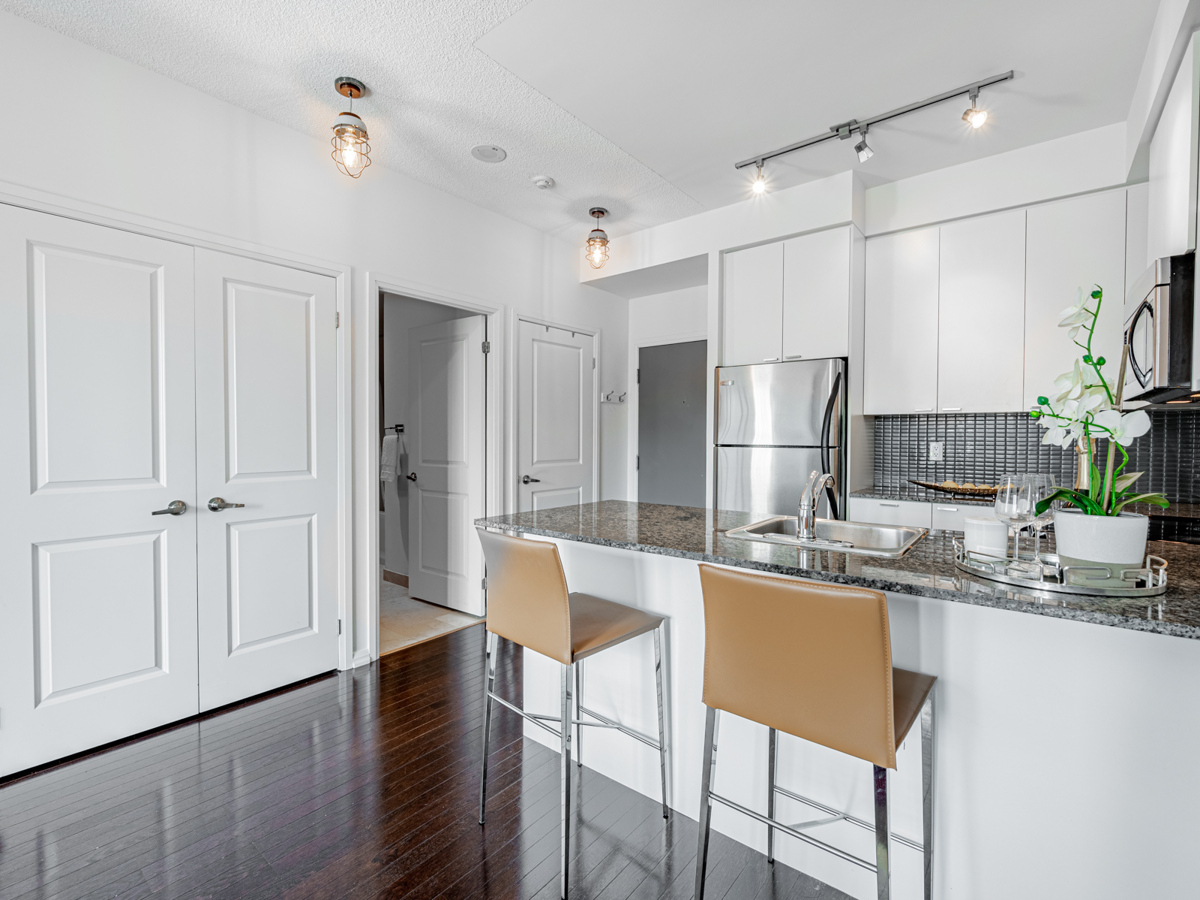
(579, 714)
(883, 827)
(706, 780)
(927, 732)
(662, 731)
(491, 646)
(565, 779)
(772, 738)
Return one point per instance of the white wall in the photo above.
(116, 138)
(669, 318)
(400, 314)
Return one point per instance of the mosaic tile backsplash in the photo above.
(982, 448)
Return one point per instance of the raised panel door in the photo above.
(98, 617)
(266, 411)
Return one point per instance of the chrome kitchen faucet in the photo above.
(807, 515)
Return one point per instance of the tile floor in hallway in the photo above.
(404, 620)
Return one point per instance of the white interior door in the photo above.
(98, 612)
(266, 417)
(446, 457)
(555, 392)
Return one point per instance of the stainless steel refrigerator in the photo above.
(776, 423)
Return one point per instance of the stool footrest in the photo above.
(787, 829)
(837, 814)
(532, 717)
(609, 723)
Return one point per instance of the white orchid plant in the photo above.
(1087, 407)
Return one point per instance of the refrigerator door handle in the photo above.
(830, 405)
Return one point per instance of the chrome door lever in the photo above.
(174, 508)
(216, 504)
(528, 480)
(411, 476)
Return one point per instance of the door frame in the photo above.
(81, 211)
(366, 564)
(515, 337)
(635, 394)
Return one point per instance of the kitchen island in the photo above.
(1066, 725)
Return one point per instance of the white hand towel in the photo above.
(388, 457)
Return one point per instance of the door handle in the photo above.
(174, 508)
(216, 504)
(528, 480)
(411, 476)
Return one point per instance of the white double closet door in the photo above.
(136, 372)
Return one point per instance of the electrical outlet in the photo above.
(937, 451)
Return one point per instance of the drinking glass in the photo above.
(1014, 507)
(1041, 487)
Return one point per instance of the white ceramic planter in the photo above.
(1117, 540)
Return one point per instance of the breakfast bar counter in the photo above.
(1066, 724)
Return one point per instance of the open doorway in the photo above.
(433, 479)
(672, 381)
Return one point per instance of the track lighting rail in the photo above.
(845, 129)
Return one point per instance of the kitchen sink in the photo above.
(863, 539)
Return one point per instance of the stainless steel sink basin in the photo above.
(860, 538)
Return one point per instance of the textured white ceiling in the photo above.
(639, 107)
(689, 87)
(433, 95)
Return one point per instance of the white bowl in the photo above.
(985, 534)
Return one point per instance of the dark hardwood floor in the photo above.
(359, 784)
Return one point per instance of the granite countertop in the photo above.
(926, 571)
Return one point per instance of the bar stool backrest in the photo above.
(811, 659)
(527, 600)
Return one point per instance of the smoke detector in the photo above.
(489, 153)
(542, 182)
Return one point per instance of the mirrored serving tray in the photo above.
(1048, 573)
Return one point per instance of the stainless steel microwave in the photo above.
(1159, 329)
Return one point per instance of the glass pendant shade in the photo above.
(351, 148)
(597, 248)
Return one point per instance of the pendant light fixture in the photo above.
(597, 242)
(351, 150)
(974, 116)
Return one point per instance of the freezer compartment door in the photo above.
(769, 480)
(782, 404)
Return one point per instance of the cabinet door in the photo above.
(901, 323)
(1073, 244)
(816, 295)
(890, 512)
(753, 305)
(981, 314)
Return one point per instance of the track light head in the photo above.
(974, 116)
(759, 185)
(864, 152)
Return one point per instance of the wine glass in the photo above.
(1041, 487)
(1014, 507)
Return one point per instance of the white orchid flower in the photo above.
(1070, 384)
(1057, 435)
(1076, 314)
(1124, 429)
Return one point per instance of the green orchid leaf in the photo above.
(1122, 482)
(1153, 499)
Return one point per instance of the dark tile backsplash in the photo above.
(983, 448)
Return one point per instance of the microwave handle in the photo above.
(1142, 376)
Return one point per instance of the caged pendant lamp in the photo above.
(351, 149)
(597, 242)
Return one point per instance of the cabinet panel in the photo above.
(901, 323)
(890, 512)
(816, 295)
(981, 314)
(949, 516)
(753, 318)
(1072, 244)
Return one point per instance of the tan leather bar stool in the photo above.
(813, 660)
(528, 603)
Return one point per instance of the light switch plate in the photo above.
(937, 451)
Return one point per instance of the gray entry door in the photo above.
(672, 389)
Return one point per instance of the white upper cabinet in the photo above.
(753, 319)
(1073, 244)
(816, 295)
(981, 320)
(901, 321)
